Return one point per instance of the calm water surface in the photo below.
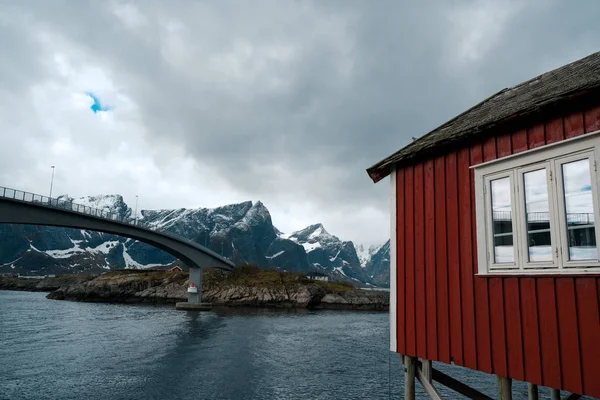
(66, 350)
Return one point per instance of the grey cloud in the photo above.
(326, 88)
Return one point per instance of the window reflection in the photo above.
(502, 226)
(537, 212)
(579, 210)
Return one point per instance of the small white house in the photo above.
(317, 276)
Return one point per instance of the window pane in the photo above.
(502, 221)
(538, 215)
(579, 209)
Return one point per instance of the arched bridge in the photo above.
(18, 207)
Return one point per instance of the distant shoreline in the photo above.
(246, 287)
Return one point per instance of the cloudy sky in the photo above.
(287, 102)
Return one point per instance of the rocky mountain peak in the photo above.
(365, 253)
(311, 234)
(233, 211)
(112, 203)
(242, 232)
(377, 267)
(257, 213)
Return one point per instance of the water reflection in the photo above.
(502, 226)
(579, 210)
(538, 212)
(259, 311)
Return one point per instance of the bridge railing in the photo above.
(64, 204)
(83, 209)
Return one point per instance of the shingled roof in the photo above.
(532, 96)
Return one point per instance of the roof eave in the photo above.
(384, 167)
(377, 173)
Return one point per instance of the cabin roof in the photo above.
(526, 98)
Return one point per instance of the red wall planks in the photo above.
(453, 260)
(466, 259)
(484, 338)
(482, 310)
(519, 141)
(409, 263)
(503, 145)
(531, 331)
(420, 306)
(536, 136)
(498, 330)
(400, 277)
(588, 322)
(489, 149)
(540, 329)
(430, 284)
(592, 119)
(573, 125)
(554, 130)
(567, 329)
(514, 341)
(441, 264)
(548, 331)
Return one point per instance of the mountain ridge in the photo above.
(243, 232)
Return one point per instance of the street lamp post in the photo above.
(136, 205)
(51, 181)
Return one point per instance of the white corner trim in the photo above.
(393, 255)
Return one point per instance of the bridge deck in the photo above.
(19, 207)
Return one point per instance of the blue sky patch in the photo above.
(98, 106)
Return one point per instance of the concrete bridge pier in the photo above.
(194, 291)
(195, 282)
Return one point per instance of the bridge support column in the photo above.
(194, 291)
(195, 282)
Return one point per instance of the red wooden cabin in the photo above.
(494, 262)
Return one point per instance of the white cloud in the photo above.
(477, 27)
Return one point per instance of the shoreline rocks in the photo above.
(263, 289)
(39, 284)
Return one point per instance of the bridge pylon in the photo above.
(194, 291)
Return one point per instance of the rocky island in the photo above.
(247, 286)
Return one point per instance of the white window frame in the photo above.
(522, 221)
(564, 250)
(551, 157)
(488, 216)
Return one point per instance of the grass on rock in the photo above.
(247, 275)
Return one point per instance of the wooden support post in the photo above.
(504, 388)
(424, 374)
(426, 366)
(555, 394)
(409, 377)
(532, 391)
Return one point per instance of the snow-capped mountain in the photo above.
(110, 203)
(328, 253)
(365, 253)
(242, 232)
(377, 267)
